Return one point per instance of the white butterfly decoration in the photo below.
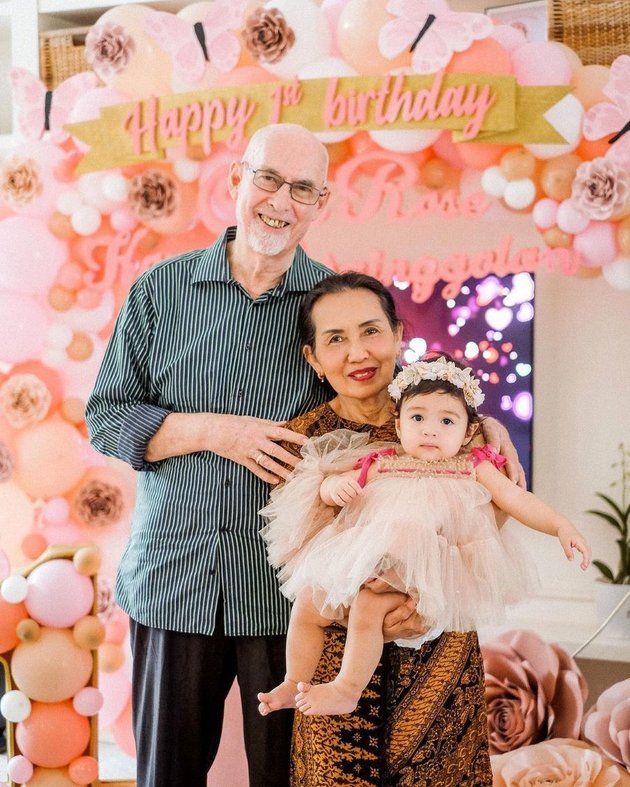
(613, 117)
(444, 32)
(29, 96)
(190, 51)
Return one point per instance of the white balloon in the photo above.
(186, 169)
(329, 67)
(91, 320)
(519, 194)
(15, 706)
(312, 36)
(617, 273)
(493, 181)
(566, 117)
(58, 336)
(406, 140)
(14, 589)
(85, 220)
(115, 187)
(53, 358)
(69, 201)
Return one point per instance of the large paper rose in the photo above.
(601, 188)
(559, 762)
(534, 691)
(108, 48)
(20, 181)
(607, 723)
(267, 35)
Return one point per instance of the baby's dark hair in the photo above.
(442, 386)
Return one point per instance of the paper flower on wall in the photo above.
(534, 690)
(267, 35)
(607, 723)
(562, 762)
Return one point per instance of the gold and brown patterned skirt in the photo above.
(421, 722)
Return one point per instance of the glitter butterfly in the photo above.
(431, 31)
(40, 109)
(192, 46)
(607, 118)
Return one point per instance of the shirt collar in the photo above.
(212, 265)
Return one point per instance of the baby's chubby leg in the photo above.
(305, 642)
(364, 645)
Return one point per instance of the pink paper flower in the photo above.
(607, 723)
(267, 35)
(601, 188)
(152, 195)
(98, 503)
(108, 48)
(560, 762)
(534, 691)
(24, 399)
(20, 181)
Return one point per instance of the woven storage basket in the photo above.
(598, 30)
(61, 54)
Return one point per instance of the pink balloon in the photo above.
(57, 595)
(83, 770)
(541, 63)
(544, 213)
(24, 324)
(50, 458)
(116, 689)
(446, 149)
(88, 701)
(30, 255)
(570, 219)
(123, 731)
(19, 769)
(215, 206)
(596, 244)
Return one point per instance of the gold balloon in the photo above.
(73, 410)
(557, 175)
(61, 299)
(28, 630)
(81, 347)
(517, 164)
(89, 632)
(87, 560)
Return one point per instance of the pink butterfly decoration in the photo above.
(607, 118)
(29, 95)
(177, 36)
(449, 32)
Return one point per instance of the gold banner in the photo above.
(476, 107)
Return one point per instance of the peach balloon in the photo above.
(52, 668)
(73, 410)
(53, 735)
(486, 56)
(556, 177)
(123, 731)
(83, 770)
(146, 71)
(61, 226)
(541, 63)
(47, 777)
(360, 22)
(110, 657)
(10, 616)
(33, 544)
(49, 458)
(480, 155)
(590, 82)
(589, 149)
(61, 299)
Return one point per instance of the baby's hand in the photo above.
(571, 539)
(343, 489)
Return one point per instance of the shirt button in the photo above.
(248, 346)
(240, 393)
(227, 482)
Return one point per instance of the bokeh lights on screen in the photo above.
(489, 326)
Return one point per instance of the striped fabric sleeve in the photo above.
(138, 427)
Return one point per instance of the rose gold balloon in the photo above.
(555, 238)
(557, 176)
(61, 226)
(87, 560)
(28, 630)
(60, 299)
(517, 164)
(73, 409)
(81, 347)
(110, 657)
(89, 632)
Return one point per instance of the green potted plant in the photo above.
(615, 583)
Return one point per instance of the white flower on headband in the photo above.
(441, 369)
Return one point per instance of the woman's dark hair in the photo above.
(343, 282)
(443, 386)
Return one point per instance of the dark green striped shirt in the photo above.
(189, 338)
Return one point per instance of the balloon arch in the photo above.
(72, 241)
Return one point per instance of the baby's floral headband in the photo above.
(440, 369)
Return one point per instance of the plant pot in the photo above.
(607, 596)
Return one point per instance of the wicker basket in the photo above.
(598, 30)
(61, 55)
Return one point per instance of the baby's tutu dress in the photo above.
(426, 527)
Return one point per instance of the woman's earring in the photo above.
(320, 377)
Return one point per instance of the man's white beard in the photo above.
(267, 243)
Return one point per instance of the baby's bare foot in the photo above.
(283, 696)
(328, 699)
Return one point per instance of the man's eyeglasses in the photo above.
(300, 192)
